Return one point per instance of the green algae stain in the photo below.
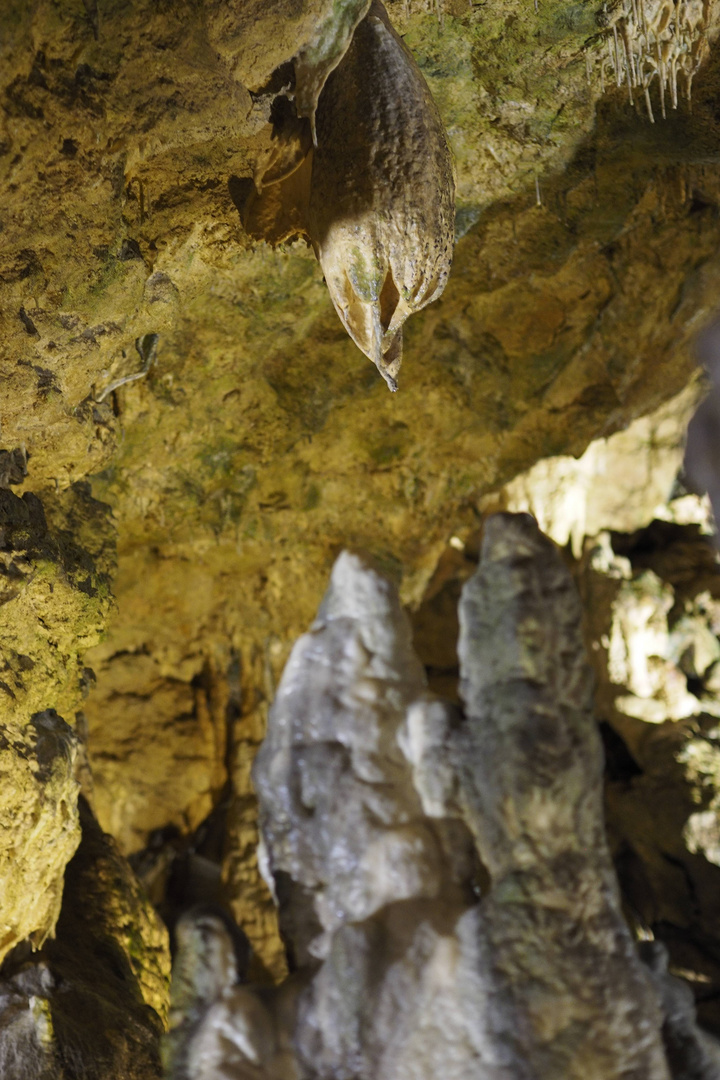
(389, 445)
(312, 497)
(365, 276)
(502, 76)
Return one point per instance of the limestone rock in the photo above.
(692, 1053)
(358, 683)
(246, 892)
(651, 604)
(40, 830)
(26, 1030)
(219, 1028)
(53, 604)
(249, 454)
(251, 426)
(93, 1005)
(704, 429)
(147, 781)
(372, 870)
(54, 601)
(369, 793)
(382, 198)
(258, 38)
(101, 880)
(624, 481)
(577, 1001)
(111, 959)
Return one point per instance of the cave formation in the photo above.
(489, 784)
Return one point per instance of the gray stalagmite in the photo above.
(444, 884)
(372, 866)
(576, 1001)
(219, 1028)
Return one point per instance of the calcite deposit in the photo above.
(444, 884)
(381, 211)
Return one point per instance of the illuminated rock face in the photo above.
(443, 878)
(651, 602)
(54, 599)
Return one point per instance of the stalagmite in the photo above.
(576, 1000)
(445, 889)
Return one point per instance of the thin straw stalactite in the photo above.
(667, 38)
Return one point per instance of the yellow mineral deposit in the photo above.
(381, 214)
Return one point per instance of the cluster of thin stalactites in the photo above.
(650, 41)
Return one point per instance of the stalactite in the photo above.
(659, 38)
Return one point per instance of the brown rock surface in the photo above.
(234, 491)
(93, 1005)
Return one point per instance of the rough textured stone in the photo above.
(54, 599)
(93, 1005)
(257, 444)
(701, 452)
(111, 958)
(172, 774)
(651, 624)
(38, 812)
(257, 38)
(26, 1032)
(691, 1052)
(353, 679)
(652, 614)
(381, 212)
(369, 793)
(246, 893)
(624, 482)
(576, 999)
